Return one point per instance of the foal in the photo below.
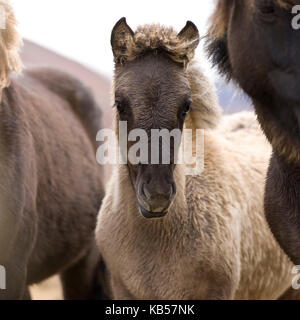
(204, 237)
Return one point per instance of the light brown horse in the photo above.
(167, 235)
(254, 43)
(50, 184)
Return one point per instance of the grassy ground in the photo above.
(47, 290)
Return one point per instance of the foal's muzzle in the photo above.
(151, 215)
(155, 202)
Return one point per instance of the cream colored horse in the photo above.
(214, 242)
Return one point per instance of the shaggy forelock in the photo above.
(158, 38)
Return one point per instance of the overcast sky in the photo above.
(81, 29)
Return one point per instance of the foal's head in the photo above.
(254, 42)
(152, 91)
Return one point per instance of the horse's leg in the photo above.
(14, 269)
(85, 279)
(290, 294)
(27, 295)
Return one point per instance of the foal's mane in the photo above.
(10, 43)
(206, 112)
(158, 39)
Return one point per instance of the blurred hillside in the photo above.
(33, 55)
(232, 99)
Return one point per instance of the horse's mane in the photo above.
(155, 37)
(206, 112)
(10, 43)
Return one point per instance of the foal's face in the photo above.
(152, 92)
(264, 53)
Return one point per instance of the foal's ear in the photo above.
(121, 36)
(190, 34)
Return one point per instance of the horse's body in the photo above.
(51, 186)
(267, 68)
(212, 241)
(50, 183)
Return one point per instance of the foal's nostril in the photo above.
(158, 193)
(173, 190)
(155, 199)
(158, 196)
(144, 192)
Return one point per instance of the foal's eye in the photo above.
(186, 108)
(267, 10)
(120, 107)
